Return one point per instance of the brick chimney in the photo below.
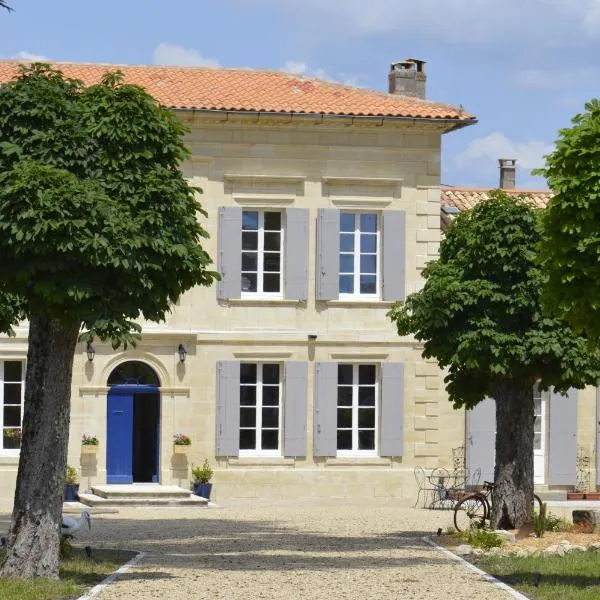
(508, 173)
(408, 78)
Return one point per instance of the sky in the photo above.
(524, 68)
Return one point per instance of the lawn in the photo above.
(575, 576)
(77, 574)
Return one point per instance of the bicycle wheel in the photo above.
(470, 511)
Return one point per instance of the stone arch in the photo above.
(143, 357)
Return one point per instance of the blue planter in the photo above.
(71, 493)
(203, 490)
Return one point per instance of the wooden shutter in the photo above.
(481, 439)
(228, 408)
(562, 435)
(391, 417)
(328, 254)
(294, 410)
(229, 240)
(296, 254)
(325, 409)
(393, 254)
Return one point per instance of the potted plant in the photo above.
(71, 485)
(202, 476)
(12, 438)
(89, 444)
(181, 443)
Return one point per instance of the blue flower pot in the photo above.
(203, 490)
(71, 493)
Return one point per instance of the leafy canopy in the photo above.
(570, 247)
(97, 223)
(479, 312)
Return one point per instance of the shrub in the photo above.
(71, 475)
(180, 439)
(202, 474)
(540, 521)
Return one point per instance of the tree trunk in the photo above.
(33, 538)
(513, 474)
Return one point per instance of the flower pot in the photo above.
(575, 495)
(592, 495)
(181, 448)
(203, 490)
(71, 492)
(89, 449)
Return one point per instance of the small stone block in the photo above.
(586, 517)
(507, 536)
(464, 550)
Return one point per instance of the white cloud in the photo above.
(301, 68)
(556, 79)
(174, 54)
(24, 55)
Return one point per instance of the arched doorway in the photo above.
(133, 424)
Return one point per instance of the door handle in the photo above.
(118, 412)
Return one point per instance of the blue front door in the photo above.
(120, 438)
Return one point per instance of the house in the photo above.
(323, 207)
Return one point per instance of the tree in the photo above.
(3, 4)
(98, 227)
(570, 246)
(479, 314)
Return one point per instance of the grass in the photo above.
(570, 577)
(77, 574)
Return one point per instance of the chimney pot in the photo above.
(508, 173)
(408, 78)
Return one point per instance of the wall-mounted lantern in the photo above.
(90, 351)
(182, 352)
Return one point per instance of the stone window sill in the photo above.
(258, 461)
(357, 461)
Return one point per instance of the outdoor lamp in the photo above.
(182, 352)
(91, 351)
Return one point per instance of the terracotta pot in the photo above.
(575, 495)
(181, 449)
(89, 448)
(592, 495)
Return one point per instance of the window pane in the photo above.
(249, 261)
(344, 440)
(272, 241)
(537, 405)
(272, 261)
(271, 395)
(270, 417)
(249, 282)
(250, 219)
(248, 395)
(346, 284)
(344, 418)
(250, 240)
(368, 263)
(367, 374)
(366, 418)
(537, 425)
(271, 373)
(368, 242)
(347, 242)
(12, 416)
(537, 441)
(366, 396)
(344, 395)
(270, 440)
(10, 439)
(368, 222)
(12, 393)
(346, 222)
(248, 439)
(368, 284)
(13, 370)
(346, 263)
(272, 282)
(366, 440)
(344, 374)
(273, 221)
(247, 373)
(247, 417)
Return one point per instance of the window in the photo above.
(261, 252)
(260, 414)
(12, 388)
(356, 409)
(359, 243)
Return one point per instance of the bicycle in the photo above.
(474, 509)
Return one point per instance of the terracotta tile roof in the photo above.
(464, 198)
(264, 91)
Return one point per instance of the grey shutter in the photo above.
(296, 254)
(228, 408)
(393, 254)
(294, 411)
(562, 447)
(229, 240)
(328, 254)
(391, 418)
(325, 409)
(481, 439)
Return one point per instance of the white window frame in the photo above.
(10, 451)
(259, 407)
(355, 452)
(539, 454)
(356, 295)
(261, 255)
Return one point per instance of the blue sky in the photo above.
(523, 67)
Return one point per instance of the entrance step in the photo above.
(552, 495)
(151, 494)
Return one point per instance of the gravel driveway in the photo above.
(253, 550)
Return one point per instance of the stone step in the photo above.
(98, 501)
(139, 491)
(552, 495)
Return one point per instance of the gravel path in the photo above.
(255, 551)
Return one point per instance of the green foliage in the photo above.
(556, 523)
(202, 474)
(480, 537)
(540, 521)
(479, 313)
(71, 475)
(96, 219)
(65, 549)
(570, 245)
